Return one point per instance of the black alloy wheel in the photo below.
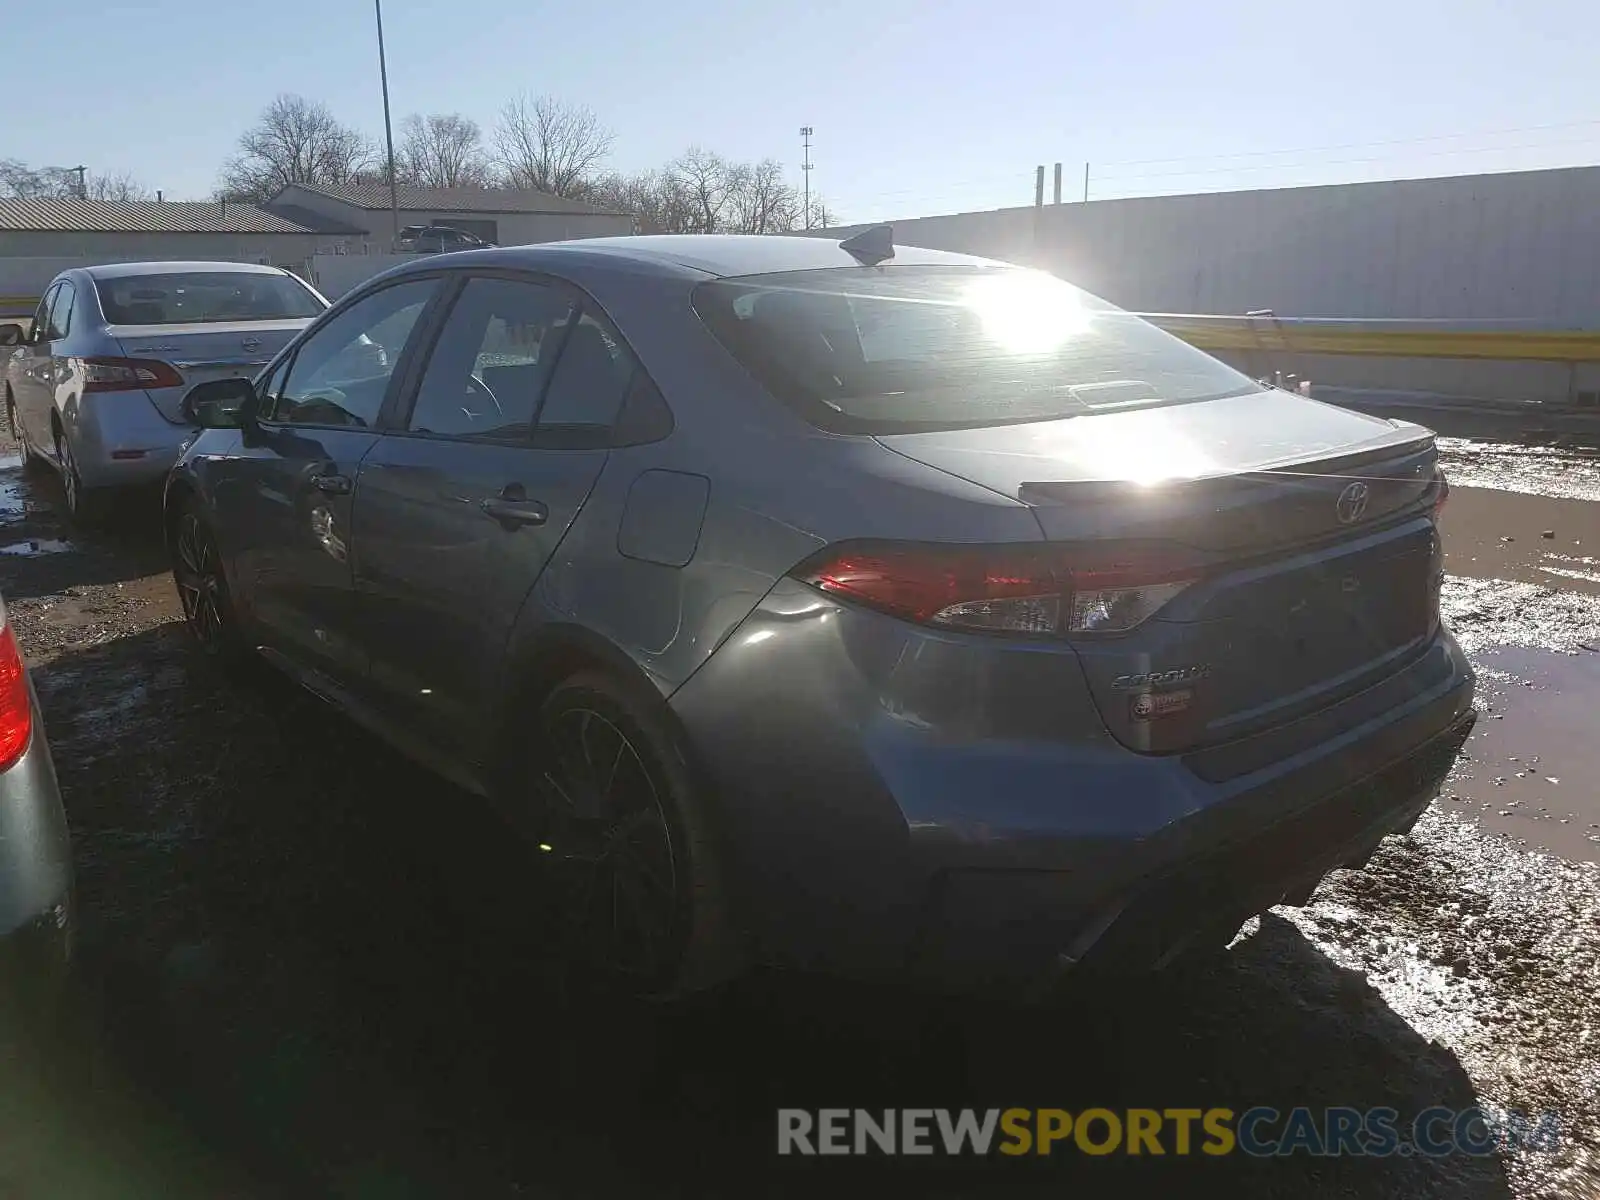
(609, 848)
(202, 586)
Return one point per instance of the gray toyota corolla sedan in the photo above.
(839, 605)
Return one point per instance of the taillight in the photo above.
(127, 374)
(16, 710)
(1441, 490)
(1028, 590)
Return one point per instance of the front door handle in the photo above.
(514, 512)
(334, 485)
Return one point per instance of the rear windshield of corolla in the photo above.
(894, 349)
(203, 297)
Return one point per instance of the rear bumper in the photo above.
(120, 438)
(1019, 929)
(899, 799)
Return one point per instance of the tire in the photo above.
(85, 505)
(202, 585)
(25, 450)
(626, 844)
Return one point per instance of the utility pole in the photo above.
(1085, 183)
(1058, 184)
(83, 182)
(805, 170)
(388, 127)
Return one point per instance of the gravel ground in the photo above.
(321, 967)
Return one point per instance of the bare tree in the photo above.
(442, 150)
(711, 184)
(295, 141)
(547, 145)
(115, 185)
(20, 181)
(702, 192)
(762, 202)
(822, 217)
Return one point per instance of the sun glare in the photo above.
(1027, 312)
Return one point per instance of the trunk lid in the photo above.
(1308, 530)
(203, 352)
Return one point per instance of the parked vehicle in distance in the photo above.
(36, 914)
(839, 605)
(96, 388)
(437, 239)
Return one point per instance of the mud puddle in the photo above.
(35, 546)
(1528, 469)
(1532, 767)
(1553, 541)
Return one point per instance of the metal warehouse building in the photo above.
(134, 230)
(1521, 245)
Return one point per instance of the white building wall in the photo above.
(1522, 245)
(515, 229)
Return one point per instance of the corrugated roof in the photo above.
(150, 216)
(375, 198)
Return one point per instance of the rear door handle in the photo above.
(515, 513)
(334, 485)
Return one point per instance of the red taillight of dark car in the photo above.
(1020, 590)
(16, 707)
(127, 374)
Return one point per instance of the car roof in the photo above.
(123, 270)
(694, 255)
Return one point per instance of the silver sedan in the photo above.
(96, 387)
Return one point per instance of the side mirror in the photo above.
(220, 404)
(11, 334)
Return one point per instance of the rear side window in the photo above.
(894, 349)
(60, 322)
(590, 382)
(489, 364)
(204, 297)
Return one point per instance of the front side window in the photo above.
(341, 372)
(202, 297)
(488, 368)
(880, 350)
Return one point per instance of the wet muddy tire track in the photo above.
(329, 964)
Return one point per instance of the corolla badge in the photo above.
(1351, 505)
(1159, 679)
(251, 344)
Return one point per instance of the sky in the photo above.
(918, 106)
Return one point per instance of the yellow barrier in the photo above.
(1310, 337)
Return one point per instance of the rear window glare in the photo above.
(902, 349)
(204, 297)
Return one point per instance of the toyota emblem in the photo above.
(251, 344)
(1352, 503)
